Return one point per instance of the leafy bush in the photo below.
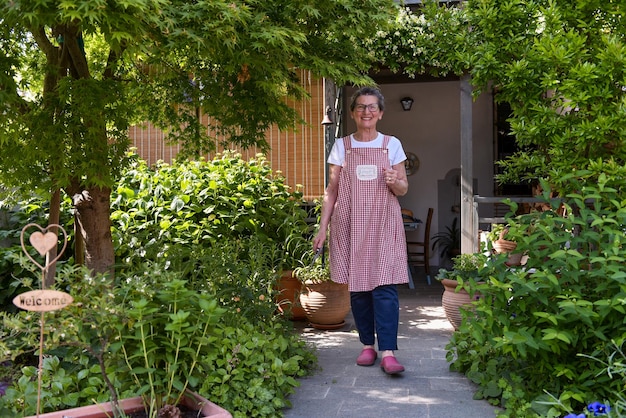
(120, 327)
(63, 386)
(206, 203)
(239, 273)
(191, 238)
(255, 370)
(166, 332)
(533, 322)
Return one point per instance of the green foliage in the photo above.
(61, 388)
(77, 336)
(561, 70)
(318, 271)
(533, 323)
(239, 273)
(254, 370)
(206, 266)
(79, 74)
(168, 331)
(448, 240)
(433, 39)
(208, 203)
(466, 267)
(155, 334)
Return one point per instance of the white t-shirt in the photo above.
(396, 152)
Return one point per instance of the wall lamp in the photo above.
(406, 103)
(327, 119)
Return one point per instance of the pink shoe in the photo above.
(390, 365)
(367, 357)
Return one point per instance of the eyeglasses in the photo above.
(371, 107)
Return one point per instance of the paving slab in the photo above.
(427, 388)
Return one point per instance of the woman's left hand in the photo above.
(390, 175)
(396, 180)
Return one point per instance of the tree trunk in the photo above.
(53, 219)
(93, 223)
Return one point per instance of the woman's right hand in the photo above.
(318, 240)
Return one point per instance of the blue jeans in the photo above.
(379, 311)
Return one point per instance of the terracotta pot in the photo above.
(326, 304)
(288, 297)
(452, 301)
(503, 246)
(105, 410)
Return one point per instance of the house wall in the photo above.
(431, 130)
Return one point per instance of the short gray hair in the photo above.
(368, 91)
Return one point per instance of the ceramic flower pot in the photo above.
(507, 247)
(453, 300)
(503, 246)
(288, 297)
(191, 400)
(326, 304)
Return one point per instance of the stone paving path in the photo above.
(427, 389)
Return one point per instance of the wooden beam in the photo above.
(469, 242)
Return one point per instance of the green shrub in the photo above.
(239, 273)
(255, 370)
(533, 323)
(63, 386)
(188, 238)
(143, 318)
(205, 203)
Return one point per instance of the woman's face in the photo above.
(366, 112)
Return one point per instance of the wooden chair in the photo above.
(418, 252)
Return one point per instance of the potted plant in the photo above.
(457, 283)
(500, 245)
(292, 250)
(288, 287)
(325, 302)
(449, 241)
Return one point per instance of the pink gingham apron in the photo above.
(367, 239)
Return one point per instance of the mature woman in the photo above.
(367, 241)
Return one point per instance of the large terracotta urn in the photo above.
(325, 303)
(452, 300)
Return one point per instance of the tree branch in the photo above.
(78, 60)
(44, 43)
(111, 60)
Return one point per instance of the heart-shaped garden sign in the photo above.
(43, 241)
